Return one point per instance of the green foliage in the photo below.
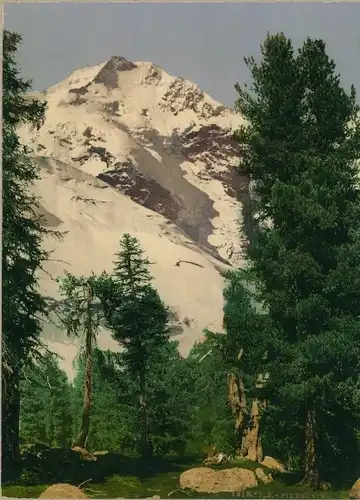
(46, 415)
(133, 309)
(22, 254)
(140, 326)
(247, 328)
(139, 320)
(211, 419)
(22, 228)
(81, 318)
(300, 146)
(114, 415)
(137, 317)
(82, 312)
(170, 393)
(132, 267)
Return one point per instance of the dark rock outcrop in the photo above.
(108, 75)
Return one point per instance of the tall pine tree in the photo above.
(138, 319)
(22, 255)
(301, 146)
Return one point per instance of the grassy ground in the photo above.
(164, 482)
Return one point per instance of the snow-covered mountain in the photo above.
(125, 147)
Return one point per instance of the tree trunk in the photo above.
(85, 419)
(145, 448)
(237, 402)
(311, 477)
(251, 447)
(10, 420)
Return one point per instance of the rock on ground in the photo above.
(62, 490)
(206, 480)
(262, 476)
(355, 490)
(272, 463)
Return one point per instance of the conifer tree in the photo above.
(22, 254)
(46, 415)
(301, 146)
(138, 319)
(244, 347)
(211, 419)
(114, 422)
(169, 400)
(81, 319)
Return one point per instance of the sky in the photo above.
(204, 43)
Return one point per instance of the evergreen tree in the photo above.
(81, 319)
(211, 420)
(301, 146)
(46, 414)
(132, 267)
(22, 255)
(114, 416)
(169, 401)
(138, 319)
(244, 348)
(115, 422)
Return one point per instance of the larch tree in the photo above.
(301, 144)
(81, 317)
(22, 252)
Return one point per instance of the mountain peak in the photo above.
(108, 75)
(126, 147)
(157, 138)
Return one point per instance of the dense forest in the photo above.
(283, 380)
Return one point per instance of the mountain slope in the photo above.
(125, 147)
(95, 216)
(158, 138)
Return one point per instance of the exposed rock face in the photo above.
(159, 139)
(109, 73)
(206, 480)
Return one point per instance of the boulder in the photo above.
(262, 476)
(355, 490)
(206, 480)
(62, 490)
(272, 463)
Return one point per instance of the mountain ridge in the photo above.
(126, 147)
(180, 142)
